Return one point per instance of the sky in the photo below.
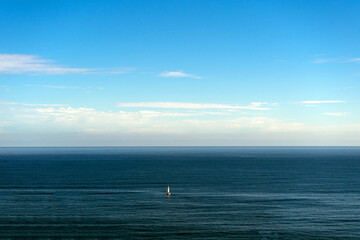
(179, 73)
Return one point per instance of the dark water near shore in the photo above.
(217, 193)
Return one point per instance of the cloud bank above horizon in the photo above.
(179, 123)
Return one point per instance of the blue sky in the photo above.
(113, 73)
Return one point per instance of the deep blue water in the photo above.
(217, 193)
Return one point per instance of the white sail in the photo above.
(168, 191)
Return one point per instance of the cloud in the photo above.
(266, 124)
(318, 102)
(32, 104)
(59, 87)
(177, 74)
(65, 119)
(19, 63)
(55, 126)
(354, 60)
(337, 114)
(345, 88)
(324, 60)
(65, 87)
(32, 64)
(338, 60)
(118, 70)
(186, 105)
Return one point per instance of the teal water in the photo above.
(217, 193)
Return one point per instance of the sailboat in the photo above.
(168, 192)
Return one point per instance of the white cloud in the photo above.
(186, 105)
(345, 88)
(354, 60)
(177, 74)
(32, 104)
(337, 114)
(337, 60)
(64, 87)
(61, 119)
(32, 64)
(319, 102)
(19, 63)
(59, 87)
(118, 70)
(147, 113)
(87, 126)
(324, 60)
(245, 123)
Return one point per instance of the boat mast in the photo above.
(168, 191)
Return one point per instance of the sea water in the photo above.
(216, 193)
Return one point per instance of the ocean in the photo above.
(216, 193)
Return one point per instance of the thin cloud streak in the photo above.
(319, 102)
(19, 63)
(337, 114)
(59, 87)
(186, 105)
(354, 60)
(337, 60)
(32, 104)
(177, 74)
(32, 64)
(324, 60)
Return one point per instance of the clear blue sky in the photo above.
(85, 73)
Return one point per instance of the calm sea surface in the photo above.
(217, 193)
